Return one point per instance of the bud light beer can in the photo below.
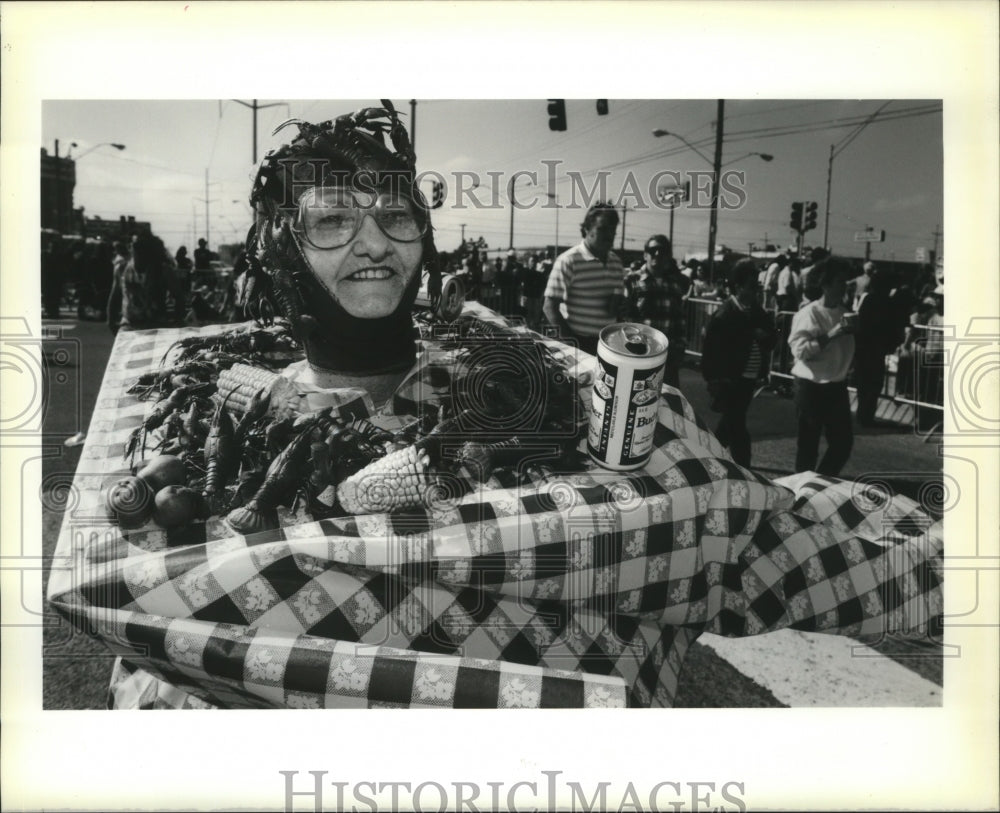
(627, 379)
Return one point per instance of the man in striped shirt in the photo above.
(589, 280)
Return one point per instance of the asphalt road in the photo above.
(76, 668)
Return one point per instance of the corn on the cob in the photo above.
(399, 480)
(240, 383)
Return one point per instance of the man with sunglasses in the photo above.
(655, 296)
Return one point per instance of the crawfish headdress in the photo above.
(348, 151)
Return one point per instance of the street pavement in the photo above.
(793, 669)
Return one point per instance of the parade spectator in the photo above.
(877, 336)
(509, 283)
(822, 345)
(771, 281)
(588, 280)
(904, 304)
(809, 285)
(132, 286)
(53, 273)
(533, 281)
(101, 272)
(858, 287)
(702, 288)
(78, 274)
(202, 256)
(655, 296)
(920, 366)
(118, 263)
(789, 286)
(179, 283)
(738, 341)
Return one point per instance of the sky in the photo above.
(887, 172)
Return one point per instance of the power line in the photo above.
(747, 135)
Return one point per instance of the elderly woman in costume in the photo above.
(345, 236)
(536, 578)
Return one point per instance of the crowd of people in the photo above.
(828, 322)
(134, 282)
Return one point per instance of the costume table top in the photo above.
(581, 589)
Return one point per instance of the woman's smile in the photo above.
(380, 272)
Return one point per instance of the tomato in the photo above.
(129, 502)
(176, 506)
(163, 470)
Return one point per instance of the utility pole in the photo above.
(255, 107)
(58, 191)
(463, 233)
(624, 212)
(826, 216)
(207, 241)
(413, 125)
(868, 246)
(206, 201)
(717, 170)
(834, 152)
(936, 234)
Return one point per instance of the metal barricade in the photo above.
(919, 379)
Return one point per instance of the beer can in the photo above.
(626, 395)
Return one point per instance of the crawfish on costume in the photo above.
(162, 411)
(242, 343)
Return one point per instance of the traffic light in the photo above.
(810, 216)
(602, 107)
(557, 114)
(796, 221)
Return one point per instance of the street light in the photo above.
(69, 154)
(659, 133)
(762, 155)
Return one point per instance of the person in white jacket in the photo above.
(822, 344)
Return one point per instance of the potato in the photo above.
(177, 506)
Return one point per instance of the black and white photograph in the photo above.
(645, 413)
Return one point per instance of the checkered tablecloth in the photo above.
(580, 588)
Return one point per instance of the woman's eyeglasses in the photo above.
(655, 251)
(331, 218)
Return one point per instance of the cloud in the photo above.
(901, 204)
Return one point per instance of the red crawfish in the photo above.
(194, 426)
(346, 449)
(255, 411)
(162, 381)
(221, 452)
(290, 302)
(281, 481)
(230, 341)
(162, 410)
